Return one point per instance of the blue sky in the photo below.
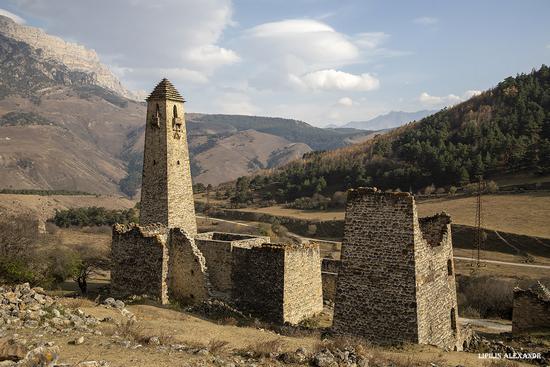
(319, 61)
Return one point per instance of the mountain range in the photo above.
(389, 120)
(67, 122)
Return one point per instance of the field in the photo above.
(44, 206)
(527, 214)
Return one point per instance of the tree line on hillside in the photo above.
(93, 216)
(503, 130)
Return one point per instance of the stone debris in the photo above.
(119, 305)
(23, 306)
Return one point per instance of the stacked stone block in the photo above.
(217, 249)
(393, 284)
(140, 261)
(157, 262)
(279, 283)
(531, 310)
(166, 190)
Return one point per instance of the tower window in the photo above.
(453, 319)
(178, 163)
(175, 112)
(154, 162)
(449, 267)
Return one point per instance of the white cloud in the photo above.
(336, 80)
(298, 45)
(14, 17)
(471, 93)
(448, 100)
(346, 102)
(140, 34)
(429, 100)
(370, 39)
(211, 56)
(426, 20)
(237, 104)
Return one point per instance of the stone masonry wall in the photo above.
(187, 275)
(531, 311)
(258, 281)
(435, 283)
(303, 293)
(217, 249)
(140, 261)
(166, 192)
(393, 284)
(329, 275)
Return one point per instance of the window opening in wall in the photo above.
(449, 267)
(453, 319)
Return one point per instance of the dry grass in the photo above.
(264, 349)
(216, 346)
(500, 363)
(515, 213)
(79, 302)
(520, 213)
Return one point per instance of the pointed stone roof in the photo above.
(165, 90)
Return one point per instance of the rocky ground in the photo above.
(39, 330)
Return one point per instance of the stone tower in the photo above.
(166, 189)
(396, 282)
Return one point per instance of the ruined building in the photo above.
(396, 279)
(164, 258)
(531, 310)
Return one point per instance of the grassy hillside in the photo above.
(504, 130)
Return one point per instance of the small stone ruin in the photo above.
(531, 310)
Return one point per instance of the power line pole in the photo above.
(479, 231)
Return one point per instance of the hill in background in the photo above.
(389, 120)
(66, 122)
(503, 131)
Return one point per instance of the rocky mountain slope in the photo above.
(66, 122)
(75, 57)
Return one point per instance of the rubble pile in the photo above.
(23, 306)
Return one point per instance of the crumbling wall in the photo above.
(531, 309)
(276, 282)
(437, 308)
(217, 249)
(303, 291)
(140, 261)
(258, 281)
(329, 274)
(375, 292)
(187, 275)
(393, 285)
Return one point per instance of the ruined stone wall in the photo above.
(375, 292)
(140, 261)
(217, 249)
(329, 274)
(435, 282)
(187, 276)
(278, 283)
(303, 293)
(166, 191)
(393, 285)
(531, 311)
(258, 281)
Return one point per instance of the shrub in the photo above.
(93, 216)
(488, 296)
